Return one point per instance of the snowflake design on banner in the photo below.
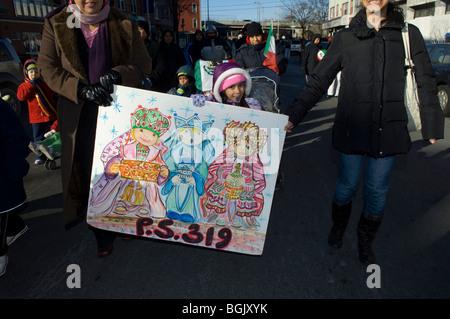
(104, 117)
(186, 109)
(132, 96)
(253, 114)
(116, 106)
(210, 116)
(152, 100)
(114, 132)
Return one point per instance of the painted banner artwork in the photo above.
(168, 170)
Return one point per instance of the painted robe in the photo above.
(122, 195)
(187, 161)
(243, 201)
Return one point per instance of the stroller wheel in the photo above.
(50, 164)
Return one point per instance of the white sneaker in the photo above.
(47, 151)
(3, 263)
(34, 148)
(11, 239)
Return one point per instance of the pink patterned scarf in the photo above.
(90, 18)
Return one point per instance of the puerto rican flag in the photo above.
(270, 52)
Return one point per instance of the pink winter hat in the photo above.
(227, 74)
(231, 80)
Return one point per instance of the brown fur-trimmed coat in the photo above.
(62, 68)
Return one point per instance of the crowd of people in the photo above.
(77, 68)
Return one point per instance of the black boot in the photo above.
(340, 216)
(367, 228)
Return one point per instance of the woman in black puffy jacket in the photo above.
(371, 120)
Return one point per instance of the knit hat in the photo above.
(29, 65)
(253, 29)
(185, 70)
(231, 80)
(230, 73)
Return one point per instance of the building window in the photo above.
(122, 5)
(194, 8)
(156, 10)
(351, 7)
(331, 13)
(133, 6)
(337, 10)
(194, 23)
(345, 9)
(33, 8)
(15, 35)
(424, 10)
(32, 42)
(18, 8)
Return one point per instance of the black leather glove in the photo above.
(107, 80)
(94, 93)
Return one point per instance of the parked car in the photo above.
(440, 59)
(10, 74)
(295, 47)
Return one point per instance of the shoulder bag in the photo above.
(411, 92)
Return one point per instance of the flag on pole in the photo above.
(270, 51)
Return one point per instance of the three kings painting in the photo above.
(166, 169)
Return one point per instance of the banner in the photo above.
(166, 169)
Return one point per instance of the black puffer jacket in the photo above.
(309, 57)
(371, 117)
(252, 56)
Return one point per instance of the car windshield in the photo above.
(440, 54)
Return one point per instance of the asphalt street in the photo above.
(297, 263)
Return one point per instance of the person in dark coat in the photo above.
(309, 58)
(371, 119)
(13, 168)
(194, 49)
(81, 64)
(251, 54)
(174, 60)
(154, 80)
(243, 39)
(215, 48)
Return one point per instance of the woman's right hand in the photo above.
(95, 93)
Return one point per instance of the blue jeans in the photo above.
(39, 129)
(377, 174)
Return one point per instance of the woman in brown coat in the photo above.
(86, 48)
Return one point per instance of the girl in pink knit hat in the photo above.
(231, 85)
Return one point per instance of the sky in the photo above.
(229, 10)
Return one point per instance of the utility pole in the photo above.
(278, 27)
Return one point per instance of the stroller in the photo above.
(266, 89)
(50, 147)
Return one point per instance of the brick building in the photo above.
(22, 21)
